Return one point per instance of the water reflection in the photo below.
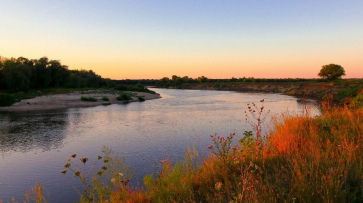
(27, 132)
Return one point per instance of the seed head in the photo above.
(77, 173)
(84, 160)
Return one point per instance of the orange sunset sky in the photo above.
(217, 39)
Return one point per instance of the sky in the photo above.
(133, 39)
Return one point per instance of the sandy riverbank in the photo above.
(71, 100)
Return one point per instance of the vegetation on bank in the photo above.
(23, 78)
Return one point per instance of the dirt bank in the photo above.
(311, 90)
(71, 100)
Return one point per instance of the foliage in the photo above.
(357, 101)
(124, 97)
(140, 98)
(90, 99)
(105, 99)
(331, 71)
(6, 99)
(349, 92)
(137, 88)
(24, 74)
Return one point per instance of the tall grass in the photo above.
(304, 159)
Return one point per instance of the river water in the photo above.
(34, 146)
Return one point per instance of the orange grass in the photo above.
(304, 159)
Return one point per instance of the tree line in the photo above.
(23, 74)
(182, 82)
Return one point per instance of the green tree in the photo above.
(331, 71)
(202, 79)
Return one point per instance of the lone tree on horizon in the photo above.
(331, 71)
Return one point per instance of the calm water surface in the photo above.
(34, 146)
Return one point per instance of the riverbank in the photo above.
(73, 100)
(312, 90)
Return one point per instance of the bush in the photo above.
(141, 99)
(90, 99)
(6, 99)
(105, 99)
(357, 101)
(123, 97)
(351, 92)
(121, 88)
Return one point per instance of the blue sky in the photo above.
(218, 39)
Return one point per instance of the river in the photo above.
(34, 146)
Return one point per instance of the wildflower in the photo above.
(67, 165)
(113, 180)
(105, 161)
(73, 156)
(338, 145)
(356, 146)
(233, 157)
(84, 160)
(64, 171)
(210, 147)
(99, 172)
(104, 168)
(121, 174)
(99, 157)
(77, 173)
(68, 159)
(233, 148)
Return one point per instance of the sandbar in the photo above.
(72, 100)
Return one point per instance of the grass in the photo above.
(89, 99)
(304, 159)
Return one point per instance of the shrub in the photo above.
(351, 92)
(140, 98)
(121, 88)
(124, 97)
(357, 101)
(106, 104)
(6, 99)
(105, 99)
(90, 99)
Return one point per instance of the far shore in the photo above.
(72, 100)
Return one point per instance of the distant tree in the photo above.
(331, 71)
(202, 79)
